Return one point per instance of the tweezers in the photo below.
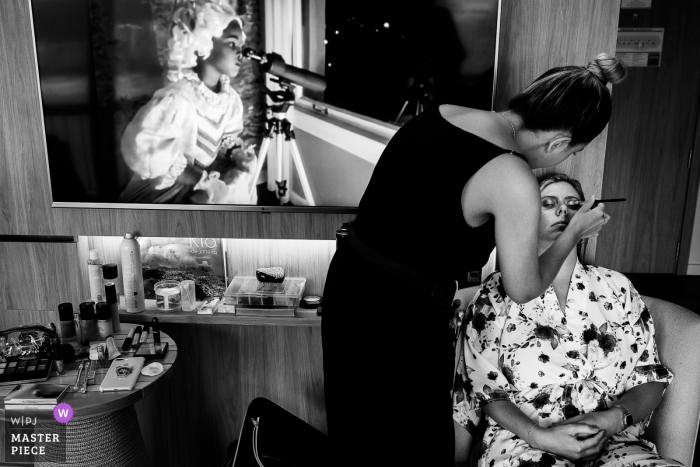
(78, 387)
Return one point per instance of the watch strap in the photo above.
(626, 416)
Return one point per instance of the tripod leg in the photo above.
(262, 154)
(279, 180)
(306, 188)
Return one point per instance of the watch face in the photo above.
(628, 419)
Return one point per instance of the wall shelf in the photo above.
(145, 317)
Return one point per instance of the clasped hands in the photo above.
(582, 438)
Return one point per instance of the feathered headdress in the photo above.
(193, 27)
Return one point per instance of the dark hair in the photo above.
(552, 178)
(571, 98)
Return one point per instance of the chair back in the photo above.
(674, 424)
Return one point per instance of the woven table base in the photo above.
(113, 439)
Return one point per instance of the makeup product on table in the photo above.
(126, 346)
(36, 395)
(208, 306)
(144, 336)
(112, 300)
(82, 368)
(78, 329)
(130, 253)
(97, 290)
(88, 321)
(151, 350)
(104, 320)
(308, 306)
(112, 351)
(167, 295)
(58, 359)
(136, 339)
(152, 369)
(156, 330)
(36, 369)
(275, 275)
(65, 314)
(110, 273)
(188, 300)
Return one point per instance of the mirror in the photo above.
(227, 104)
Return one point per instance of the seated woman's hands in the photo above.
(608, 420)
(578, 442)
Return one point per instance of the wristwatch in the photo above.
(626, 416)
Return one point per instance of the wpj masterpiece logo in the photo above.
(29, 440)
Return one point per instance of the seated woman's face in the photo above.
(560, 201)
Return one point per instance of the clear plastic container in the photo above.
(248, 291)
(187, 292)
(167, 295)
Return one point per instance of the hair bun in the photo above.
(607, 69)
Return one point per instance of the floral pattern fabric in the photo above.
(555, 364)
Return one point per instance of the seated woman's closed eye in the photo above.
(558, 376)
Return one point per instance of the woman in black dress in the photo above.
(451, 184)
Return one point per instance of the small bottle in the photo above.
(58, 359)
(133, 276)
(78, 328)
(110, 273)
(88, 321)
(65, 314)
(341, 234)
(104, 320)
(97, 289)
(113, 304)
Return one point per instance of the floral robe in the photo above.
(556, 364)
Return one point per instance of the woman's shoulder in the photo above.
(614, 278)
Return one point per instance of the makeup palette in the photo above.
(37, 369)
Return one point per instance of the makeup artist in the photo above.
(451, 184)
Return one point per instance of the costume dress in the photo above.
(555, 364)
(182, 128)
(387, 348)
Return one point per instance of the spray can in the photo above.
(133, 276)
(97, 290)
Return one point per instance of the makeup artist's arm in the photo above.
(507, 189)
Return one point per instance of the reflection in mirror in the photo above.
(170, 103)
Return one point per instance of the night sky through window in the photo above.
(381, 53)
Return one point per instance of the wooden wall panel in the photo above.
(537, 35)
(652, 131)
(39, 276)
(199, 411)
(25, 198)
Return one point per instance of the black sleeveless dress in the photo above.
(387, 349)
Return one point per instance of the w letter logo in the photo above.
(63, 413)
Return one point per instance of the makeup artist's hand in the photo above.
(588, 222)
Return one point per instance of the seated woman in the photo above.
(568, 378)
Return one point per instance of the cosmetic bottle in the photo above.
(133, 276)
(88, 321)
(65, 314)
(59, 364)
(104, 320)
(113, 304)
(78, 328)
(110, 273)
(97, 289)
